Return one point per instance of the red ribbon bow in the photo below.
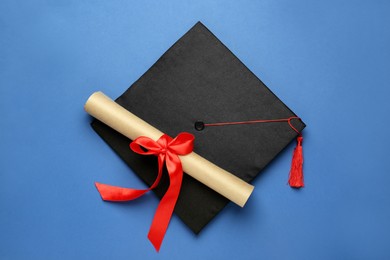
(167, 149)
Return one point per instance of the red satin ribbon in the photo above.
(167, 150)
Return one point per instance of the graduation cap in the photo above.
(199, 86)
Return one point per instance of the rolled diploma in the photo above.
(112, 114)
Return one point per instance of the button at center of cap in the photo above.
(199, 125)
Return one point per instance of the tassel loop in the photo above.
(296, 172)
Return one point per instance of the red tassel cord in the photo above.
(296, 172)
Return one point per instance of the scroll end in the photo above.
(248, 192)
(90, 99)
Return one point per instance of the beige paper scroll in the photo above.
(109, 112)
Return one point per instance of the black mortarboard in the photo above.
(199, 81)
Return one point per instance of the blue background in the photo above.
(327, 60)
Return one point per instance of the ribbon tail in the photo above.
(114, 193)
(167, 204)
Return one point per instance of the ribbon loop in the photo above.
(147, 143)
(167, 149)
(182, 144)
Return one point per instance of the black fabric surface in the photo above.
(199, 79)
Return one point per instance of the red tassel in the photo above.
(296, 172)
